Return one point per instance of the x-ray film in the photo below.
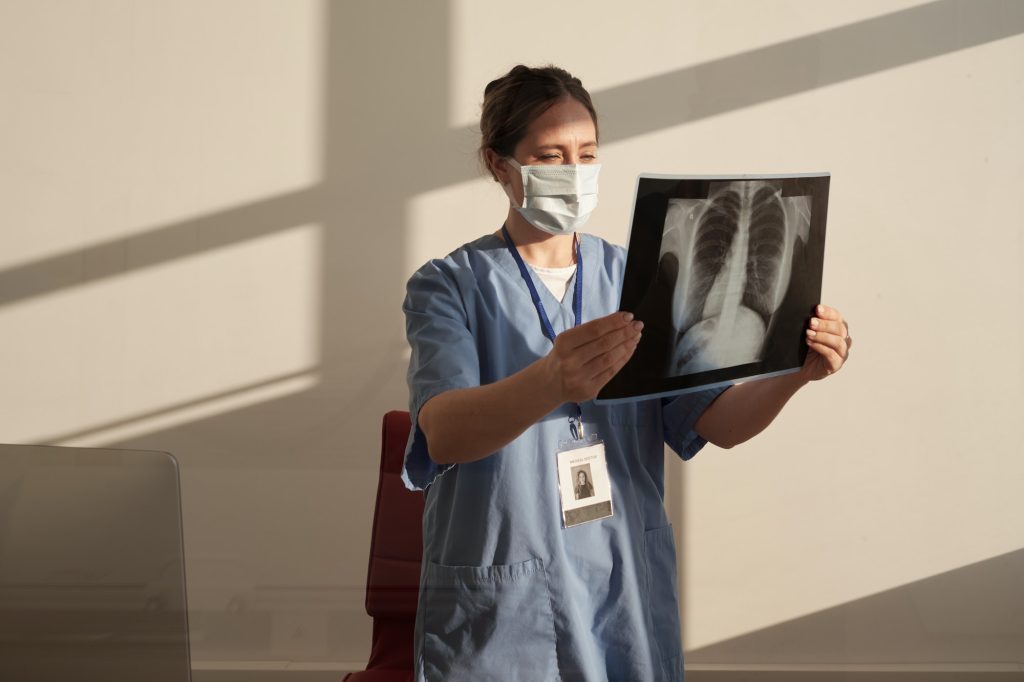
(724, 272)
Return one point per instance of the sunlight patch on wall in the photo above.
(439, 221)
(172, 334)
(669, 35)
(231, 400)
(478, 56)
(117, 116)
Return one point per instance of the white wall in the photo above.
(211, 209)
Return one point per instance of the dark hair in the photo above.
(514, 101)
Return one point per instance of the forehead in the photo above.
(564, 122)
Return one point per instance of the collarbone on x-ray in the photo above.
(734, 250)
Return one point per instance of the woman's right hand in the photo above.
(467, 424)
(585, 358)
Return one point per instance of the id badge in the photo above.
(583, 484)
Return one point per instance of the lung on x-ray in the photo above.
(725, 273)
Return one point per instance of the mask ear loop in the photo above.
(508, 186)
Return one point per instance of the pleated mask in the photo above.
(557, 199)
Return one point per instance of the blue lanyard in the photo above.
(577, 294)
(575, 424)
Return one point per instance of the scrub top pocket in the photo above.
(663, 599)
(488, 623)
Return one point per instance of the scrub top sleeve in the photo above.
(679, 416)
(444, 356)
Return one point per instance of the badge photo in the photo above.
(583, 484)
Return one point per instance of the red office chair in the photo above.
(396, 549)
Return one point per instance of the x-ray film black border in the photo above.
(650, 205)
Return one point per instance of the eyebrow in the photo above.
(591, 143)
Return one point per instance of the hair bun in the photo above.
(518, 72)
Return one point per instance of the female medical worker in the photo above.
(500, 366)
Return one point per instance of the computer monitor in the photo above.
(92, 574)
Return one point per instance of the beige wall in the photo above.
(210, 211)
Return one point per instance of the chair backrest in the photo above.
(393, 576)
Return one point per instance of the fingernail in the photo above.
(811, 332)
(814, 322)
(821, 309)
(627, 316)
(638, 325)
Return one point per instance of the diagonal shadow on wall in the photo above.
(643, 106)
(386, 121)
(972, 614)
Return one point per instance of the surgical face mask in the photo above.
(557, 199)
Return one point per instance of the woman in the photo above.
(583, 487)
(512, 336)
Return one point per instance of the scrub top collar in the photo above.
(565, 316)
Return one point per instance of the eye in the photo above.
(548, 157)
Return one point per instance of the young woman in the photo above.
(583, 486)
(512, 336)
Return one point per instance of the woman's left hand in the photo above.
(829, 342)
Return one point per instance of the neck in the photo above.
(537, 247)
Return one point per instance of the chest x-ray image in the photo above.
(733, 253)
(725, 273)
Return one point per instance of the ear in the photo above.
(498, 166)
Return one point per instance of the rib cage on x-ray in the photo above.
(735, 251)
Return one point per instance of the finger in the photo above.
(838, 328)
(603, 344)
(832, 360)
(605, 376)
(615, 357)
(588, 331)
(837, 343)
(827, 313)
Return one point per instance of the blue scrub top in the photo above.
(507, 593)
